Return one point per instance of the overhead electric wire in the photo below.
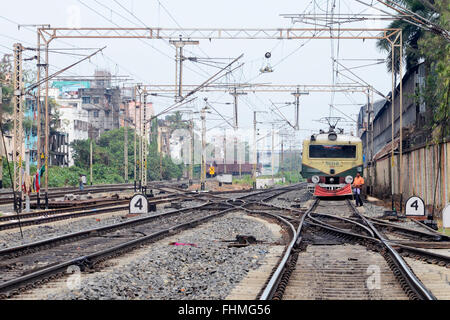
(142, 40)
(69, 44)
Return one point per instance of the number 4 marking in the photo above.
(139, 204)
(415, 205)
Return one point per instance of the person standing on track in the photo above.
(358, 182)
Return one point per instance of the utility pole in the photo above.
(2, 152)
(282, 156)
(39, 153)
(46, 126)
(272, 153)
(367, 138)
(144, 142)
(27, 170)
(140, 141)
(297, 95)
(125, 142)
(191, 151)
(90, 162)
(135, 139)
(224, 150)
(18, 130)
(371, 139)
(255, 148)
(203, 171)
(38, 110)
(179, 44)
(160, 152)
(291, 159)
(235, 95)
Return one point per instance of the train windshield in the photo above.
(332, 151)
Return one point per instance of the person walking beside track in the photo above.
(357, 187)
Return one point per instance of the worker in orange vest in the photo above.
(357, 186)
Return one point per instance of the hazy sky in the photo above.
(294, 61)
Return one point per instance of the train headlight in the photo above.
(315, 179)
(348, 179)
(332, 136)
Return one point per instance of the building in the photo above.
(425, 163)
(131, 110)
(413, 117)
(87, 108)
(102, 103)
(73, 119)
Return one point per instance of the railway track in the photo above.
(340, 254)
(32, 264)
(47, 216)
(28, 264)
(94, 206)
(6, 197)
(326, 256)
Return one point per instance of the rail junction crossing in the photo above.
(196, 237)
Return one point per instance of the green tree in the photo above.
(108, 157)
(435, 50)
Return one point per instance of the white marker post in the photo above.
(415, 207)
(138, 204)
(446, 217)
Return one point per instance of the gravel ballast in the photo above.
(11, 238)
(208, 269)
(288, 199)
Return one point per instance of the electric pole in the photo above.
(135, 139)
(140, 141)
(160, 152)
(191, 151)
(224, 150)
(297, 95)
(144, 142)
(203, 171)
(125, 142)
(272, 153)
(235, 95)
(255, 148)
(46, 126)
(90, 161)
(282, 157)
(18, 130)
(38, 110)
(179, 44)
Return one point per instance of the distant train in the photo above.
(213, 169)
(330, 162)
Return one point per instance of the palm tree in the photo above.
(411, 35)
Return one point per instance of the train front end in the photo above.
(330, 162)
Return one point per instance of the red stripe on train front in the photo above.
(323, 192)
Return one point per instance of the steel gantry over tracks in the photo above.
(46, 34)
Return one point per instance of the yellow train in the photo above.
(330, 162)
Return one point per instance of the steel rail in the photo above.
(423, 253)
(102, 254)
(89, 260)
(92, 232)
(339, 218)
(435, 235)
(275, 279)
(409, 276)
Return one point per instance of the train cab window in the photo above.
(332, 151)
